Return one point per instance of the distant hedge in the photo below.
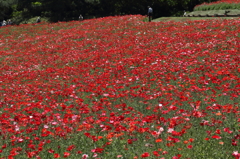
(217, 6)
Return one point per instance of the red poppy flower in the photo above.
(145, 154)
(189, 146)
(66, 154)
(216, 137)
(56, 155)
(129, 141)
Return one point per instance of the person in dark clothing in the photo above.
(150, 13)
(9, 22)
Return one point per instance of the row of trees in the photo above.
(65, 10)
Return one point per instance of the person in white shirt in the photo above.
(184, 13)
(80, 17)
(4, 23)
(38, 20)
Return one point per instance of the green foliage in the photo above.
(219, 6)
(5, 8)
(67, 10)
(7, 3)
(93, 1)
(17, 15)
(33, 20)
(36, 4)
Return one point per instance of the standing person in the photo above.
(9, 22)
(150, 13)
(80, 17)
(184, 13)
(38, 20)
(4, 23)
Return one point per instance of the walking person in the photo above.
(150, 13)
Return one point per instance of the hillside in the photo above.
(215, 13)
(120, 88)
(221, 8)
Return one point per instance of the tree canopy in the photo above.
(6, 8)
(65, 10)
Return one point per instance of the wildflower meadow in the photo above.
(219, 5)
(119, 87)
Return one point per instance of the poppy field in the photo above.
(226, 1)
(222, 1)
(219, 5)
(118, 87)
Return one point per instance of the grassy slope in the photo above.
(188, 18)
(233, 12)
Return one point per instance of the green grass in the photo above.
(162, 19)
(232, 12)
(33, 20)
(219, 6)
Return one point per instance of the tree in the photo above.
(5, 8)
(65, 10)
